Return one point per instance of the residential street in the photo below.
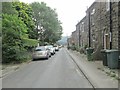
(80, 46)
(59, 71)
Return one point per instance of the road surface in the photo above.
(59, 71)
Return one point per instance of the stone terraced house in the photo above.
(103, 24)
(100, 28)
(82, 30)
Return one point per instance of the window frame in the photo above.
(107, 5)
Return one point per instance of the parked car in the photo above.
(60, 46)
(56, 48)
(41, 52)
(52, 49)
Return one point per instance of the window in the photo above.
(92, 20)
(93, 11)
(107, 5)
(83, 26)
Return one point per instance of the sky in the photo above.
(70, 12)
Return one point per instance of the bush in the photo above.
(73, 47)
(13, 46)
(77, 48)
(82, 50)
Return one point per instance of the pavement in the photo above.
(7, 69)
(99, 75)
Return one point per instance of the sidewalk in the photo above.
(7, 69)
(95, 71)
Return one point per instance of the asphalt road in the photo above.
(59, 71)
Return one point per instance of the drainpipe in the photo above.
(79, 34)
(110, 24)
(89, 29)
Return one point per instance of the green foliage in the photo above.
(7, 8)
(82, 50)
(48, 19)
(15, 39)
(29, 42)
(18, 29)
(25, 13)
(86, 46)
(73, 47)
(0, 26)
(12, 31)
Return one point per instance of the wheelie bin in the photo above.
(89, 52)
(104, 57)
(112, 58)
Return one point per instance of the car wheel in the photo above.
(47, 57)
(33, 59)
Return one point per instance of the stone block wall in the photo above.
(119, 25)
(100, 24)
(114, 18)
(100, 20)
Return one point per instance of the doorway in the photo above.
(106, 41)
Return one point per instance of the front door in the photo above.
(106, 41)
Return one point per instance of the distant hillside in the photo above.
(63, 40)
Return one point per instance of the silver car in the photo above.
(41, 52)
(56, 48)
(52, 49)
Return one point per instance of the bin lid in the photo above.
(89, 48)
(103, 50)
(112, 50)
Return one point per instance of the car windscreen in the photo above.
(50, 46)
(40, 49)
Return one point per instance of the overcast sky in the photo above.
(70, 12)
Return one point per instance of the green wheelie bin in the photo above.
(89, 52)
(112, 58)
(104, 57)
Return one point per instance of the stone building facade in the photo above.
(82, 31)
(69, 41)
(119, 26)
(100, 28)
(74, 38)
(102, 22)
(78, 35)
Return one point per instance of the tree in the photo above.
(15, 36)
(48, 19)
(26, 14)
(13, 30)
(7, 8)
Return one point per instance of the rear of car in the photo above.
(52, 49)
(56, 48)
(41, 52)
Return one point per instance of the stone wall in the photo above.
(69, 42)
(78, 35)
(82, 36)
(83, 33)
(74, 38)
(100, 24)
(119, 26)
(114, 18)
